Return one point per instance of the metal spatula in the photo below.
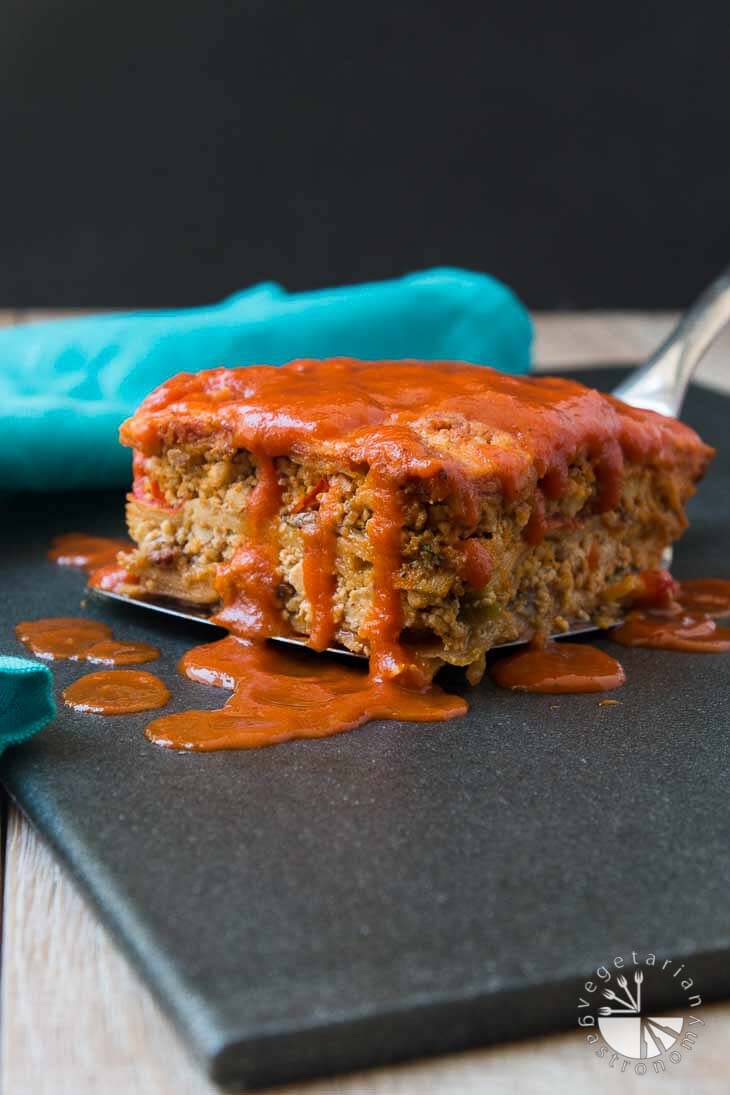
(658, 385)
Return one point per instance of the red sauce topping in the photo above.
(62, 637)
(708, 596)
(672, 631)
(406, 417)
(559, 667)
(278, 697)
(75, 549)
(116, 692)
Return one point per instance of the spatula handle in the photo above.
(661, 383)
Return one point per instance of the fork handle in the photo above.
(661, 383)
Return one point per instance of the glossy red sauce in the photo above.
(384, 623)
(116, 692)
(60, 637)
(319, 570)
(278, 696)
(247, 584)
(76, 549)
(654, 589)
(708, 596)
(97, 555)
(477, 565)
(404, 417)
(673, 630)
(110, 577)
(115, 652)
(556, 667)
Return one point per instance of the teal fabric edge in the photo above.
(27, 705)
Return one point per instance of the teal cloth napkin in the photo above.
(26, 699)
(66, 385)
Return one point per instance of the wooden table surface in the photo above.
(76, 1020)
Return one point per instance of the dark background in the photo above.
(164, 153)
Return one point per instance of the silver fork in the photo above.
(658, 385)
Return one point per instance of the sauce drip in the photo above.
(248, 583)
(76, 549)
(388, 658)
(557, 667)
(60, 637)
(706, 596)
(277, 697)
(318, 570)
(116, 692)
(673, 630)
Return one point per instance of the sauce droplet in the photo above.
(61, 636)
(278, 697)
(116, 692)
(706, 596)
(669, 631)
(559, 667)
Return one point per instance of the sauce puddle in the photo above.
(278, 697)
(114, 652)
(708, 596)
(682, 620)
(555, 668)
(61, 637)
(89, 553)
(116, 692)
(673, 631)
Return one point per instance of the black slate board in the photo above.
(403, 889)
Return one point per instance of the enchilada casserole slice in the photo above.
(415, 512)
